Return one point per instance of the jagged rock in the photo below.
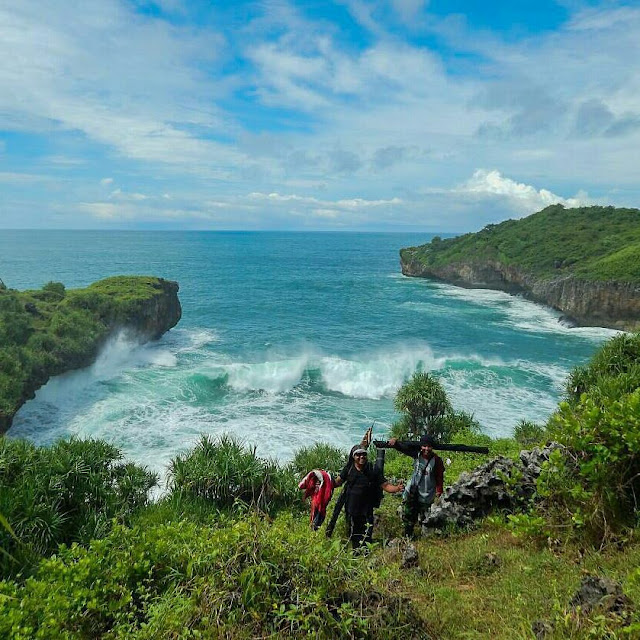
(405, 551)
(541, 629)
(492, 560)
(409, 557)
(600, 592)
(396, 544)
(478, 492)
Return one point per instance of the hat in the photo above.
(360, 450)
(427, 440)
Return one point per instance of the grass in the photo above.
(488, 584)
(185, 567)
(228, 553)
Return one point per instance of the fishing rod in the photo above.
(415, 445)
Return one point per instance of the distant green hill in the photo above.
(594, 243)
(47, 332)
(584, 261)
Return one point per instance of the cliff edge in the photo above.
(583, 262)
(48, 332)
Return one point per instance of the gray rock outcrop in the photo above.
(501, 483)
(596, 592)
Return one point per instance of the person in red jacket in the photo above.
(425, 484)
(318, 486)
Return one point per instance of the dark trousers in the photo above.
(318, 519)
(411, 511)
(360, 529)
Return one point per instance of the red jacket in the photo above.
(318, 485)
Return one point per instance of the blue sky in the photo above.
(358, 115)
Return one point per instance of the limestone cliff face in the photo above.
(589, 303)
(154, 316)
(147, 316)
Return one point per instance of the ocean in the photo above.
(286, 339)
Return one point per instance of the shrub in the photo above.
(229, 474)
(455, 422)
(67, 493)
(55, 289)
(318, 456)
(528, 433)
(595, 481)
(15, 327)
(247, 579)
(424, 402)
(426, 408)
(618, 358)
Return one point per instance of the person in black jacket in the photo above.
(363, 483)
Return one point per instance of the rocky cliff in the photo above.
(589, 303)
(50, 332)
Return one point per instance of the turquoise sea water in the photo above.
(286, 339)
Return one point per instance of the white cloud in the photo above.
(13, 177)
(106, 182)
(64, 161)
(127, 82)
(524, 197)
(408, 10)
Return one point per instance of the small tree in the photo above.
(56, 289)
(423, 402)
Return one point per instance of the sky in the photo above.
(362, 115)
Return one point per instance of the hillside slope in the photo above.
(584, 262)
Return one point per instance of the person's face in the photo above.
(426, 450)
(360, 459)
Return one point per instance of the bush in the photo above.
(529, 434)
(618, 359)
(55, 289)
(229, 474)
(443, 427)
(318, 456)
(595, 481)
(67, 493)
(424, 402)
(244, 580)
(455, 422)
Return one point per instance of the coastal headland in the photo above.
(584, 262)
(47, 332)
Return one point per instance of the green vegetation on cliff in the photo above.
(590, 243)
(47, 332)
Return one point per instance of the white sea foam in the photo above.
(379, 374)
(152, 402)
(195, 339)
(477, 359)
(521, 313)
(495, 401)
(430, 308)
(370, 375)
(121, 352)
(272, 376)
